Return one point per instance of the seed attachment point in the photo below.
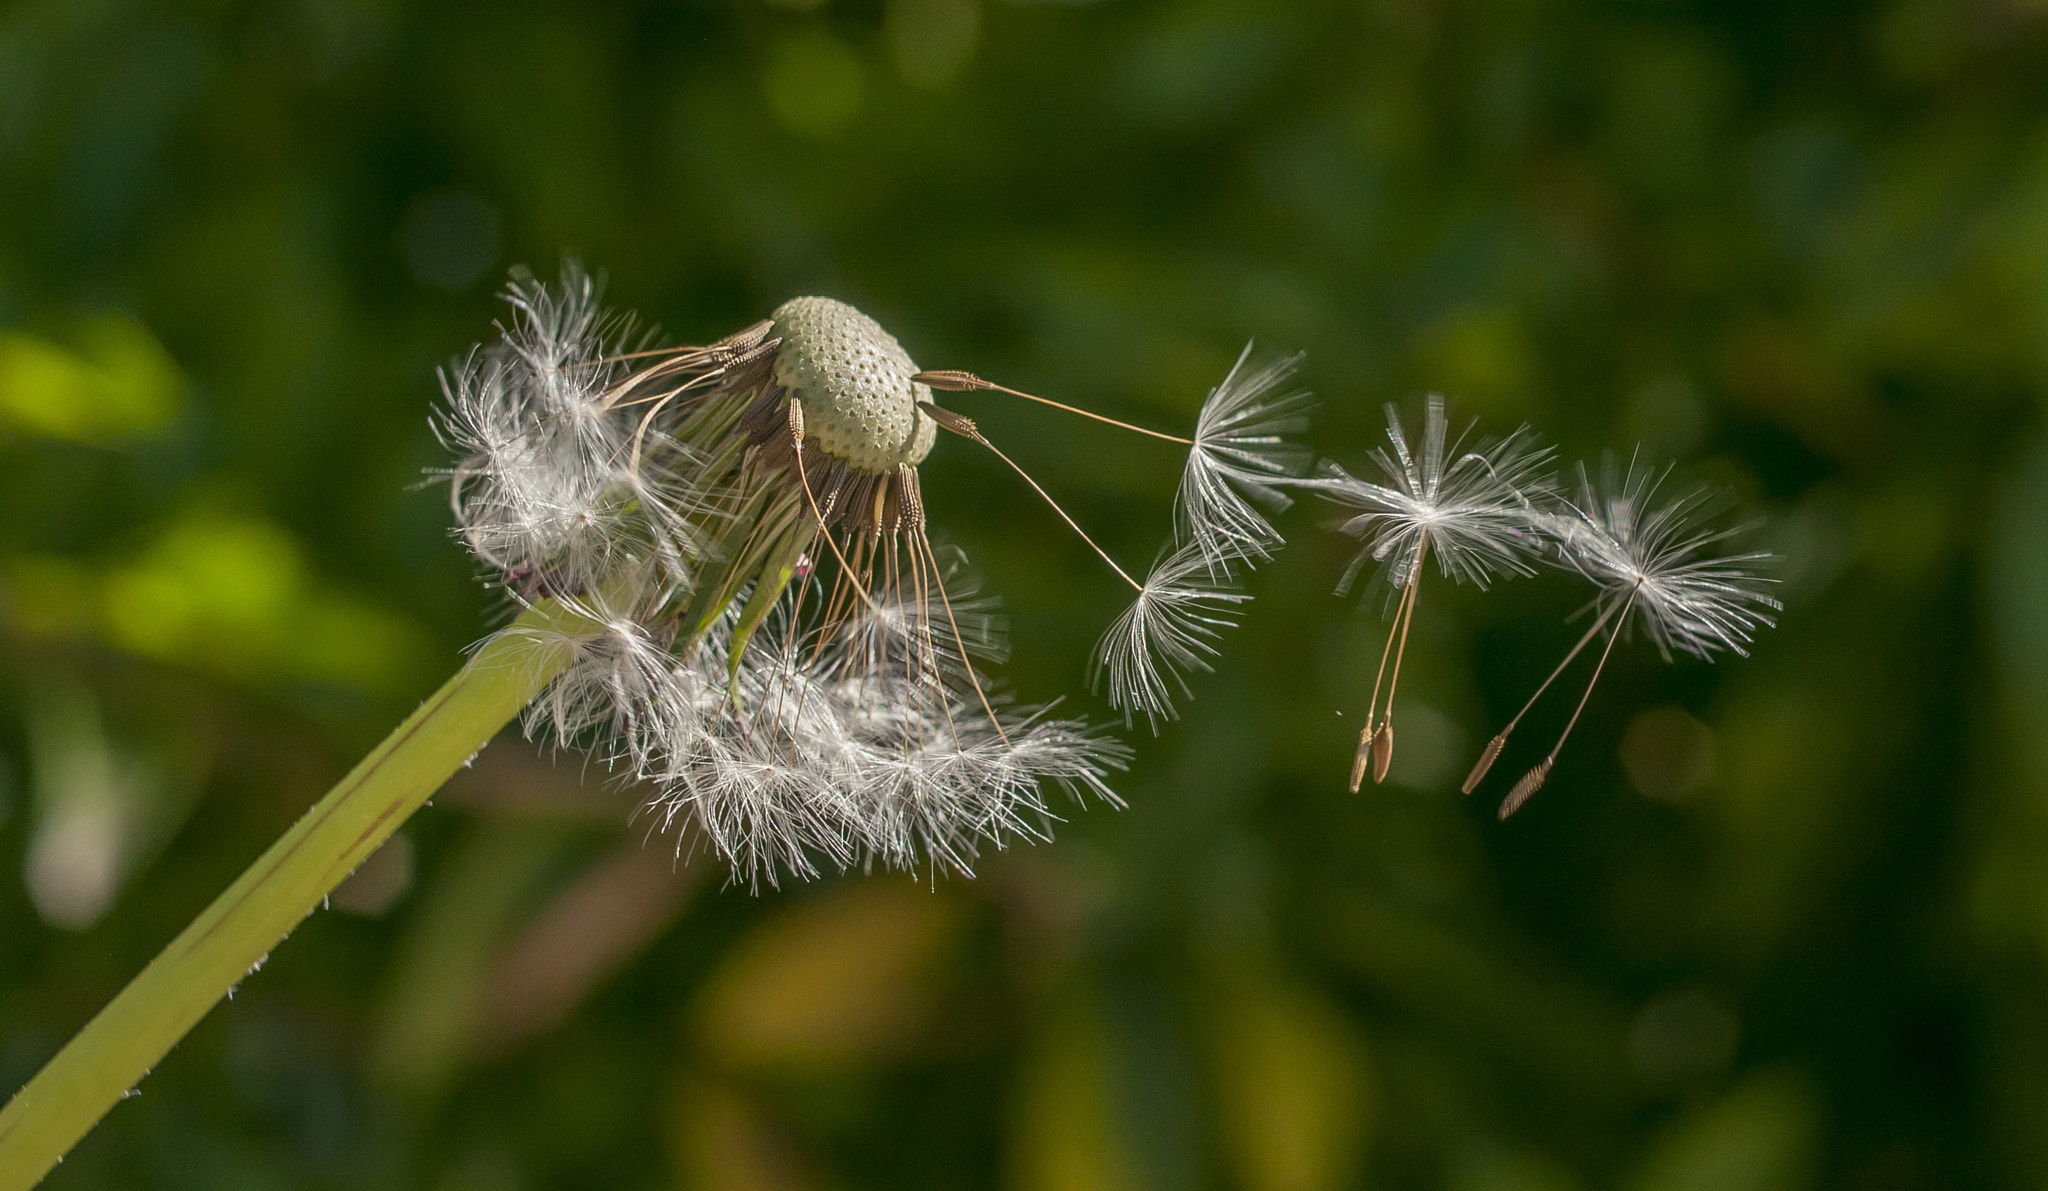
(951, 380)
(947, 419)
(744, 347)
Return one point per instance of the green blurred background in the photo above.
(1776, 923)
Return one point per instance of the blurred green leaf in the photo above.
(1759, 1137)
(224, 593)
(845, 977)
(1065, 1132)
(1294, 1104)
(111, 381)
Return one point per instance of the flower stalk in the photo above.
(110, 1056)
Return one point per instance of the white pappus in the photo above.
(1476, 510)
(767, 634)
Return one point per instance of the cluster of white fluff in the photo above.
(1242, 457)
(1169, 630)
(1496, 510)
(1244, 453)
(1477, 511)
(848, 751)
(845, 739)
(1617, 537)
(548, 481)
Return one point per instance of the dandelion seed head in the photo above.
(766, 637)
(854, 380)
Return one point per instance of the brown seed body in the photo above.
(1485, 762)
(1364, 758)
(952, 380)
(1531, 782)
(1382, 751)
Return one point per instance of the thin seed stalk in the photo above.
(115, 1050)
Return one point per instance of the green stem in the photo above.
(234, 934)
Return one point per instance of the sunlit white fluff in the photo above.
(1475, 512)
(1167, 632)
(622, 696)
(1242, 454)
(1648, 562)
(1241, 457)
(547, 479)
(848, 728)
(1652, 555)
(941, 786)
(829, 750)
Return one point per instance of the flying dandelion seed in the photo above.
(1169, 631)
(1648, 562)
(782, 653)
(1477, 514)
(1240, 458)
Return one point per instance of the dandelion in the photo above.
(726, 588)
(1477, 514)
(1648, 562)
(690, 499)
(1241, 457)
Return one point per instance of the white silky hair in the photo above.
(868, 740)
(1617, 535)
(621, 694)
(830, 751)
(1241, 458)
(551, 475)
(1242, 454)
(1170, 630)
(837, 750)
(1479, 509)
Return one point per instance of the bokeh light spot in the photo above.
(815, 84)
(448, 238)
(1668, 754)
(931, 41)
(1681, 1038)
(113, 380)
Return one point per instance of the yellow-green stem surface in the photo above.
(225, 943)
